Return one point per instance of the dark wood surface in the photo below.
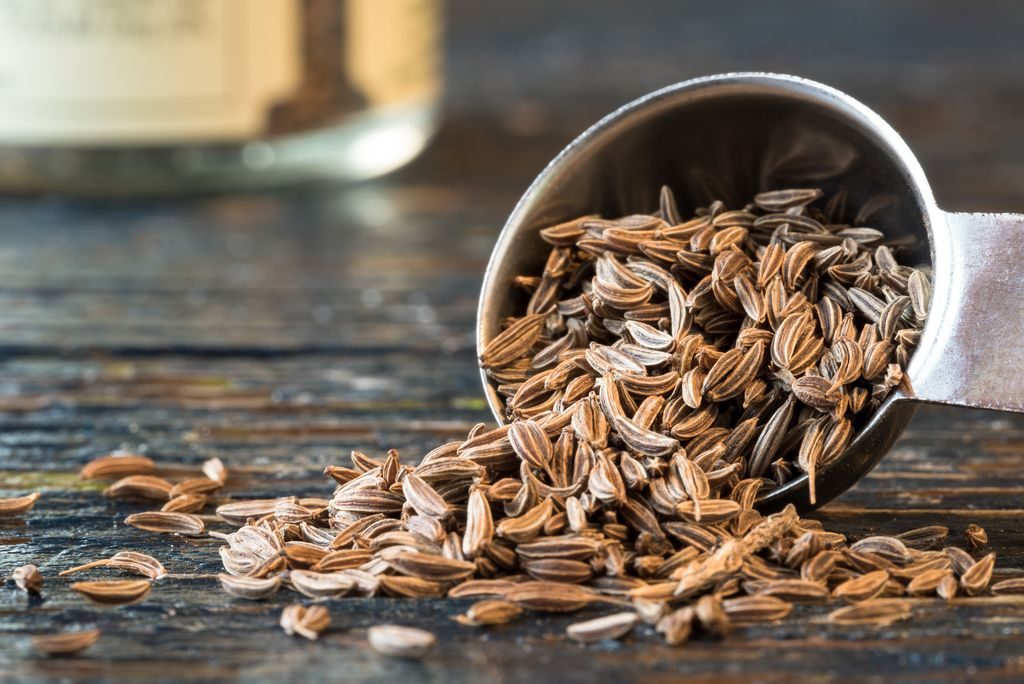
(278, 331)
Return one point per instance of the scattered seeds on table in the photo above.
(663, 374)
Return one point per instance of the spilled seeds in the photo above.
(663, 376)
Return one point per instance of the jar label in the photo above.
(393, 50)
(79, 72)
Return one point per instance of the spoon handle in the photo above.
(972, 350)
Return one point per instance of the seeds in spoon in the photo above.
(862, 588)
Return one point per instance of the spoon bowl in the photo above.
(731, 136)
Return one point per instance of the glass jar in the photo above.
(149, 96)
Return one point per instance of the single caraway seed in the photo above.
(321, 585)
(214, 469)
(877, 612)
(306, 621)
(251, 588)
(1008, 587)
(186, 503)
(28, 578)
(116, 466)
(131, 561)
(113, 592)
(489, 612)
(401, 642)
(862, 588)
(664, 373)
(140, 487)
(756, 608)
(734, 312)
(17, 505)
(613, 626)
(65, 643)
(976, 536)
(238, 512)
(167, 522)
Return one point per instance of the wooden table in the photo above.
(278, 331)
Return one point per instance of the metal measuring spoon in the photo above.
(730, 136)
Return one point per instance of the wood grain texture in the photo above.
(278, 331)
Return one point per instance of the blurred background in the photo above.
(948, 76)
(199, 79)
